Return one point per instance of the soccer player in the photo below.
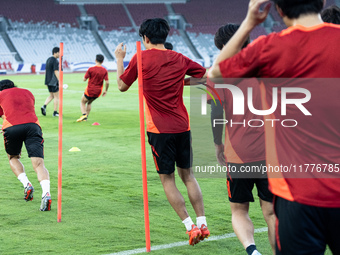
(244, 148)
(331, 15)
(52, 82)
(21, 125)
(96, 75)
(167, 120)
(307, 205)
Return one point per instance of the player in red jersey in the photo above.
(244, 147)
(96, 75)
(167, 119)
(21, 125)
(307, 202)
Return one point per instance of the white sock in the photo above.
(45, 185)
(23, 179)
(200, 221)
(188, 223)
(256, 252)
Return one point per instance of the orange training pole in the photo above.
(142, 140)
(60, 141)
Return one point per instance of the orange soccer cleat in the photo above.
(205, 233)
(194, 235)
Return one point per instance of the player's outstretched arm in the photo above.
(196, 81)
(120, 53)
(253, 18)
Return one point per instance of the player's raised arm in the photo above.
(120, 53)
(253, 18)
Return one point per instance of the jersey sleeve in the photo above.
(1, 111)
(106, 77)
(87, 74)
(195, 69)
(131, 73)
(246, 63)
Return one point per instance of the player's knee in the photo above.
(268, 211)
(13, 157)
(185, 174)
(37, 162)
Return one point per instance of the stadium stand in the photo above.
(220, 12)
(205, 44)
(6, 58)
(140, 12)
(179, 44)
(112, 38)
(35, 46)
(40, 10)
(113, 16)
(3, 47)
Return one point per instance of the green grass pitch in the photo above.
(102, 200)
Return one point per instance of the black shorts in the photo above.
(168, 149)
(90, 98)
(53, 89)
(240, 190)
(30, 134)
(303, 229)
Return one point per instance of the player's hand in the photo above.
(104, 93)
(255, 16)
(120, 51)
(219, 149)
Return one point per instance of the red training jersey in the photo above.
(299, 52)
(17, 106)
(163, 81)
(243, 143)
(96, 76)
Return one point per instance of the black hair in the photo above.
(331, 15)
(224, 34)
(100, 58)
(156, 30)
(168, 46)
(6, 84)
(55, 50)
(293, 9)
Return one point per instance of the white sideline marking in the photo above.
(171, 245)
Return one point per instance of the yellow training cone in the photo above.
(74, 149)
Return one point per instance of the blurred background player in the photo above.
(168, 46)
(96, 75)
(52, 82)
(167, 120)
(245, 146)
(21, 125)
(331, 15)
(306, 203)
